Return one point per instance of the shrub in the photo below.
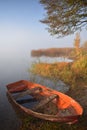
(79, 67)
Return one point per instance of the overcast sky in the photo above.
(21, 31)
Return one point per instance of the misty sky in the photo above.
(21, 31)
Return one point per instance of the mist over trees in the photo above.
(64, 17)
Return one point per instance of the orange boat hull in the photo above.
(69, 110)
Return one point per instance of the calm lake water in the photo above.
(13, 69)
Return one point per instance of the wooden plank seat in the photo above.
(27, 92)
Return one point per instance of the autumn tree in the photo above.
(77, 44)
(77, 41)
(65, 17)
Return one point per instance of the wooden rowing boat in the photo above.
(44, 103)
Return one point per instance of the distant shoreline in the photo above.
(52, 52)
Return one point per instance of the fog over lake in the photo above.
(12, 68)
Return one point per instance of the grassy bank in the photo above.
(70, 73)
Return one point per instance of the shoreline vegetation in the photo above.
(69, 72)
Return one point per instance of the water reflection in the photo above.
(45, 59)
(54, 84)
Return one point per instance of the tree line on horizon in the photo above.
(52, 52)
(70, 52)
